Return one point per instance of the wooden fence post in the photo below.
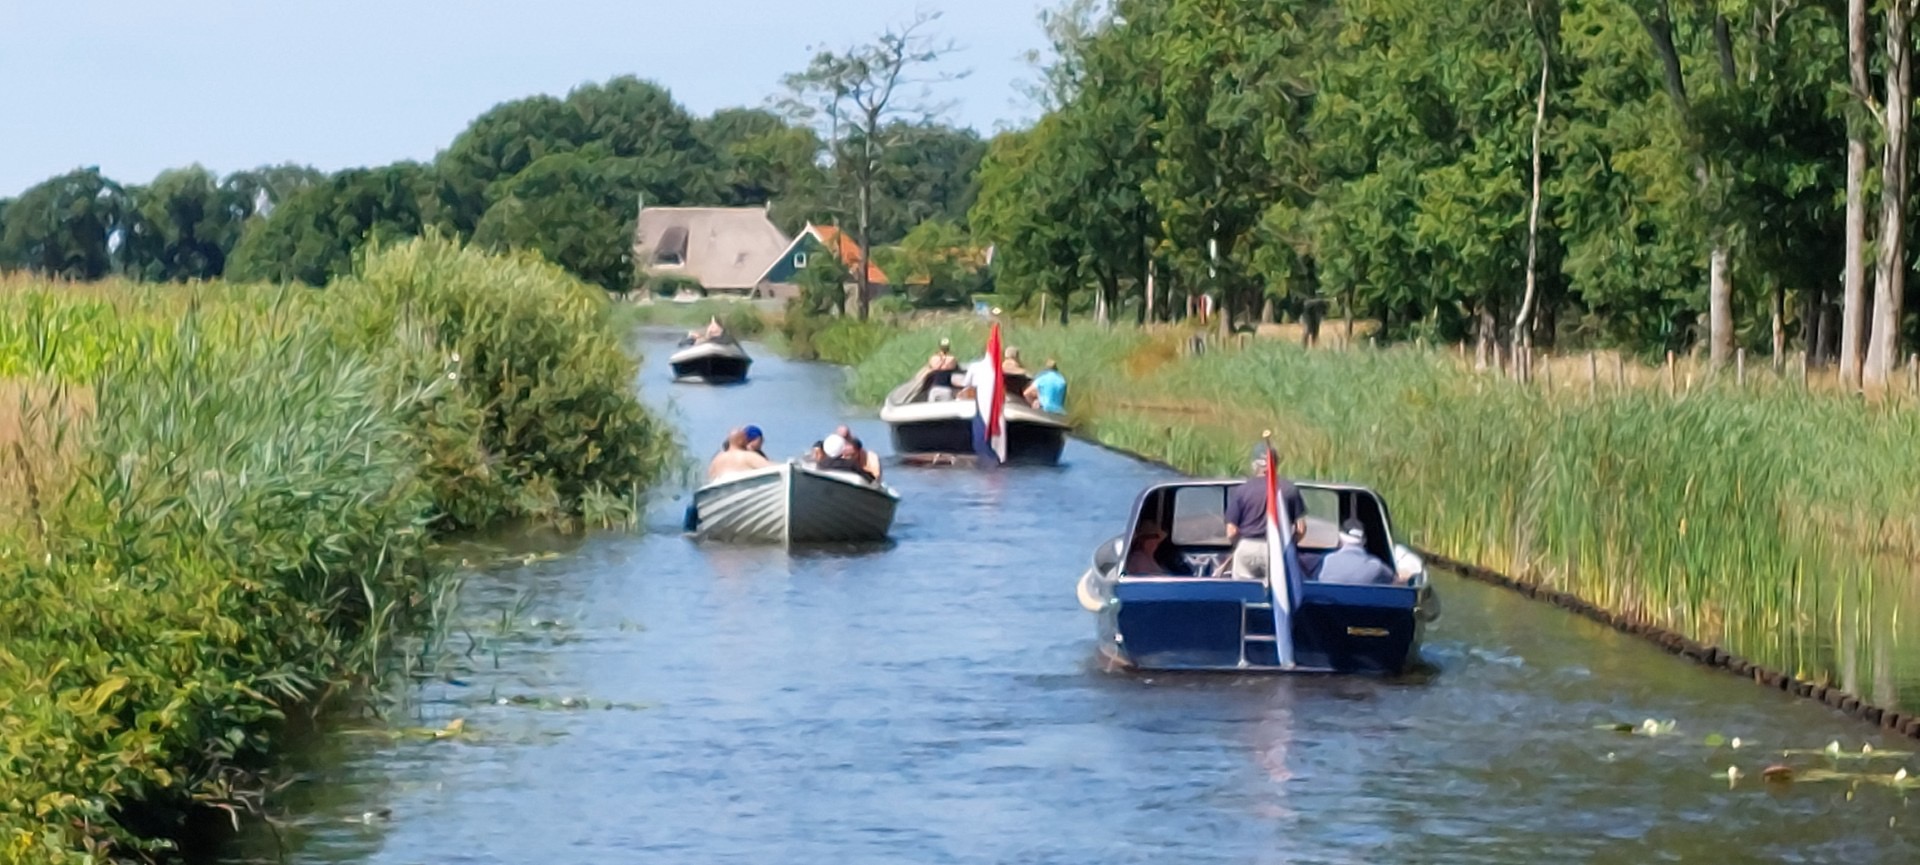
(1546, 370)
(1803, 369)
(1673, 381)
(1593, 376)
(1740, 367)
(1619, 370)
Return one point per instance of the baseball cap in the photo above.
(753, 432)
(1351, 530)
(834, 445)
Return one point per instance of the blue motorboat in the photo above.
(1181, 608)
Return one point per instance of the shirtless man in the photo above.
(736, 458)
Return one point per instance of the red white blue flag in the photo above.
(990, 402)
(1280, 561)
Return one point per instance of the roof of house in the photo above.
(847, 249)
(722, 247)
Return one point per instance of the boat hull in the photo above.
(946, 428)
(713, 363)
(1184, 623)
(792, 504)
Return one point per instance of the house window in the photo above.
(800, 261)
(668, 259)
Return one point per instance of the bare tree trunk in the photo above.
(1522, 323)
(1146, 313)
(1346, 310)
(860, 279)
(1719, 302)
(1779, 312)
(1853, 273)
(1883, 346)
(1100, 305)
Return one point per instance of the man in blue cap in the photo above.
(736, 458)
(1246, 517)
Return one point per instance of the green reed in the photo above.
(259, 473)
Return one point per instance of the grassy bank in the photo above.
(1779, 523)
(235, 491)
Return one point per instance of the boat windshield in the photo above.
(1193, 519)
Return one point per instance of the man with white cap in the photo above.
(1246, 516)
(1352, 564)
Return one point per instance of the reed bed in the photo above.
(1777, 522)
(239, 490)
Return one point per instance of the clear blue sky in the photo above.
(137, 86)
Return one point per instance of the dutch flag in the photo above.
(1281, 565)
(990, 403)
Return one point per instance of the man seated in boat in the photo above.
(1016, 376)
(1246, 518)
(1144, 554)
(1351, 564)
(1049, 389)
(714, 328)
(942, 357)
(941, 374)
(844, 456)
(736, 458)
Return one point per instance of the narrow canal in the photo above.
(640, 698)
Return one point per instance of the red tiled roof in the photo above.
(848, 251)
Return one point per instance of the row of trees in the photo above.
(559, 175)
(1636, 172)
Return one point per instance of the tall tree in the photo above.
(1853, 272)
(67, 226)
(571, 208)
(760, 159)
(181, 226)
(1890, 269)
(318, 233)
(1657, 17)
(858, 95)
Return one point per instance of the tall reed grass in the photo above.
(1773, 521)
(248, 484)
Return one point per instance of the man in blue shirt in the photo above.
(1246, 518)
(1049, 389)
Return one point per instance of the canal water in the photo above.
(636, 697)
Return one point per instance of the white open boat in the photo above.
(791, 503)
(711, 360)
(944, 428)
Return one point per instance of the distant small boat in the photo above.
(715, 361)
(1186, 613)
(923, 428)
(791, 503)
